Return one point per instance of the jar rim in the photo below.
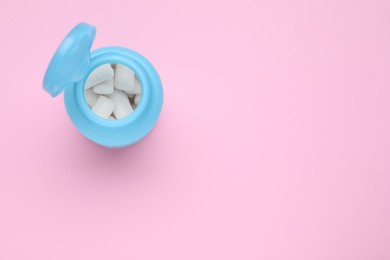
(128, 130)
(108, 58)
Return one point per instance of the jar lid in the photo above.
(71, 61)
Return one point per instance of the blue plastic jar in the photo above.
(69, 69)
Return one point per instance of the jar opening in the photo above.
(112, 91)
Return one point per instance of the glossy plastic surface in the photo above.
(126, 131)
(71, 61)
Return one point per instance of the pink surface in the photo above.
(273, 142)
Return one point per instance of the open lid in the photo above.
(71, 61)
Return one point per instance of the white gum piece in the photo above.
(137, 98)
(137, 88)
(111, 118)
(106, 87)
(90, 97)
(124, 78)
(123, 107)
(100, 74)
(103, 107)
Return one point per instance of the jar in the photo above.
(68, 71)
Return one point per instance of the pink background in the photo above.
(273, 141)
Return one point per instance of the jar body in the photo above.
(128, 130)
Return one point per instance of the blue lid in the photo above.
(71, 61)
